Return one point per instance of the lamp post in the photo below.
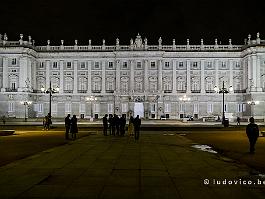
(184, 99)
(252, 103)
(223, 91)
(91, 99)
(50, 91)
(26, 104)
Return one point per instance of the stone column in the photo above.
(254, 71)
(5, 74)
(75, 77)
(61, 89)
(216, 73)
(202, 77)
(33, 78)
(188, 90)
(174, 76)
(245, 77)
(231, 76)
(23, 71)
(160, 76)
(47, 63)
(103, 90)
(118, 75)
(89, 78)
(258, 77)
(249, 73)
(131, 64)
(146, 75)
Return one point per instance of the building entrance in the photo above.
(139, 109)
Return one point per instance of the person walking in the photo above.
(252, 131)
(122, 125)
(73, 127)
(67, 124)
(105, 124)
(137, 124)
(131, 127)
(238, 120)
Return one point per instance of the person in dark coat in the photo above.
(122, 125)
(67, 124)
(105, 124)
(111, 125)
(238, 120)
(117, 124)
(73, 127)
(137, 124)
(252, 131)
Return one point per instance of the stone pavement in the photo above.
(158, 166)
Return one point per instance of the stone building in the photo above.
(149, 80)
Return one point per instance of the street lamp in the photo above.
(50, 91)
(91, 99)
(26, 104)
(223, 91)
(184, 99)
(252, 103)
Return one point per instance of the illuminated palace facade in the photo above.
(149, 80)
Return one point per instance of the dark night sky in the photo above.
(109, 19)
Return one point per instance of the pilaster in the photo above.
(131, 65)
(160, 76)
(5, 74)
(231, 79)
(61, 77)
(188, 78)
(118, 75)
(174, 76)
(202, 77)
(75, 77)
(23, 71)
(47, 63)
(89, 71)
(146, 75)
(104, 66)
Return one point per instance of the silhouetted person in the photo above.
(252, 131)
(73, 127)
(117, 124)
(49, 121)
(131, 127)
(67, 124)
(111, 125)
(4, 119)
(122, 125)
(238, 120)
(137, 124)
(105, 124)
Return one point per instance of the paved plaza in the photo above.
(158, 166)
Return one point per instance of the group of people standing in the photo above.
(116, 125)
(70, 127)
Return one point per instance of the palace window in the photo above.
(69, 64)
(167, 64)
(181, 64)
(55, 65)
(237, 65)
(11, 107)
(124, 108)
(139, 65)
(196, 108)
(167, 108)
(96, 64)
(153, 64)
(110, 108)
(110, 64)
(83, 65)
(223, 64)
(14, 61)
(209, 108)
(68, 107)
(195, 64)
(124, 65)
(41, 64)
